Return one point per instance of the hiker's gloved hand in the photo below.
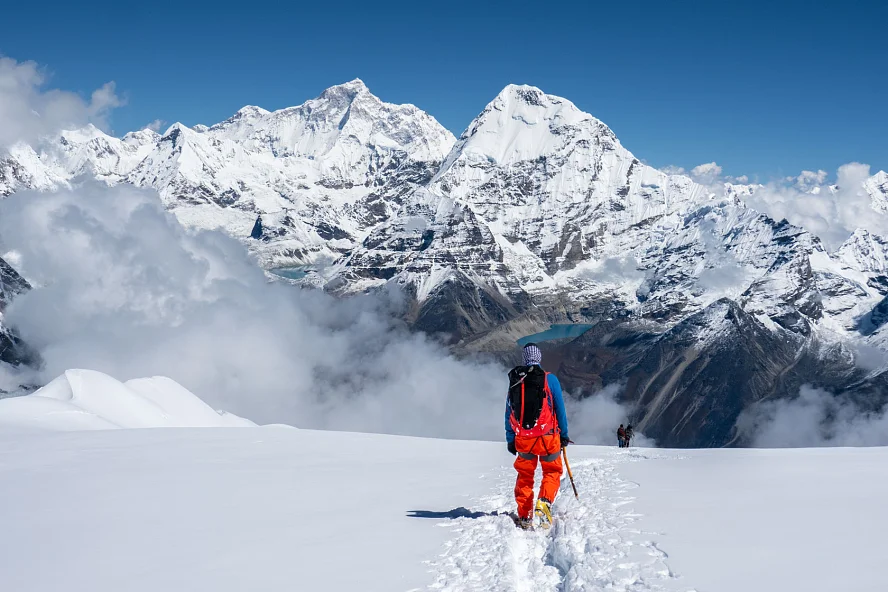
(511, 447)
(564, 441)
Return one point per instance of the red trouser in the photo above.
(548, 447)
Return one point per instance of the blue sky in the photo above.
(763, 88)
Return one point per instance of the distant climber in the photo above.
(621, 436)
(536, 431)
(629, 434)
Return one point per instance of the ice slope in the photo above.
(90, 400)
(273, 508)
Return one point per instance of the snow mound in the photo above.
(89, 400)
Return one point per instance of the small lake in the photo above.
(556, 332)
(291, 273)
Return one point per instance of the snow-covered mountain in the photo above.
(305, 181)
(538, 200)
(536, 215)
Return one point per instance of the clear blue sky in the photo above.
(763, 88)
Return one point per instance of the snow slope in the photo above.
(275, 508)
(90, 400)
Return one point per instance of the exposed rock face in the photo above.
(12, 350)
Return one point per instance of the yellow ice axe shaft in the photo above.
(569, 473)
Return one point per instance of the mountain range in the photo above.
(697, 305)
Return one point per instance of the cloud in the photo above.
(815, 418)
(595, 419)
(808, 180)
(831, 212)
(29, 111)
(615, 270)
(124, 289)
(721, 272)
(706, 173)
(673, 170)
(156, 125)
(104, 100)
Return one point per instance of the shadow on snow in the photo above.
(456, 513)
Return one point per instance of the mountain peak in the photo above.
(140, 137)
(522, 123)
(175, 131)
(250, 111)
(529, 106)
(83, 134)
(348, 90)
(524, 93)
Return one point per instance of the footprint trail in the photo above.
(594, 544)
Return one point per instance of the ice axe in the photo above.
(569, 473)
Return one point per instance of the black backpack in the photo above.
(533, 380)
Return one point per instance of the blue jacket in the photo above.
(557, 402)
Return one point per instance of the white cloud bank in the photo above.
(28, 111)
(123, 288)
(815, 418)
(831, 212)
(706, 173)
(595, 419)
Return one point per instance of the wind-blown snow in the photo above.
(86, 400)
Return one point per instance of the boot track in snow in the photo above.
(591, 546)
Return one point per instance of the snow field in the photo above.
(91, 507)
(595, 543)
(227, 510)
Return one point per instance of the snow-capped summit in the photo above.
(877, 187)
(345, 126)
(865, 252)
(521, 123)
(141, 138)
(345, 92)
(249, 111)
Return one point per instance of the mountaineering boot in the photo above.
(544, 511)
(524, 523)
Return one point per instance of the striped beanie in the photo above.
(532, 354)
